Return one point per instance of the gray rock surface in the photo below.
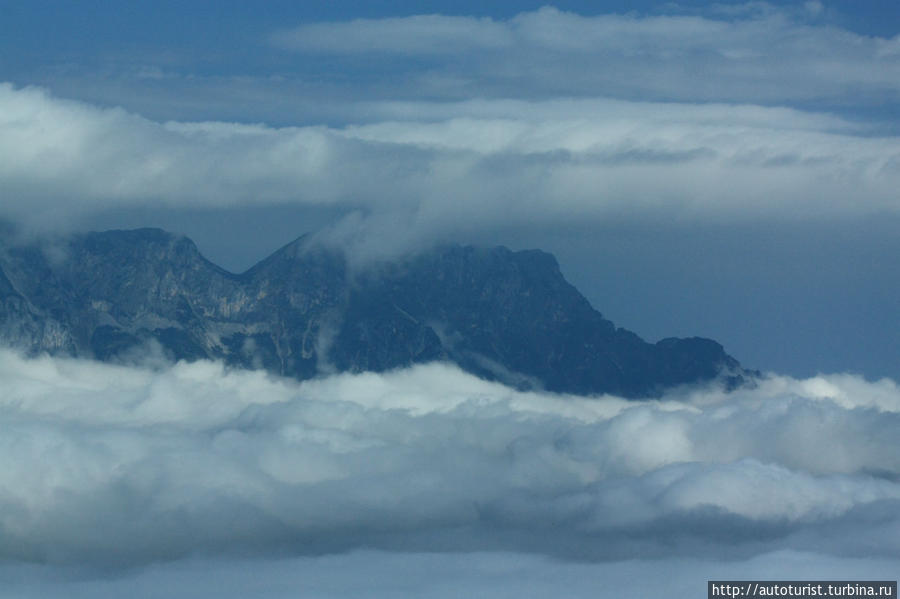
(504, 315)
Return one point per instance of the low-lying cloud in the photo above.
(108, 465)
(430, 575)
(433, 171)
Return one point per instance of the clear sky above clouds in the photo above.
(727, 169)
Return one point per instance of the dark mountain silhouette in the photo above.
(504, 315)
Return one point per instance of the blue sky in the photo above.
(728, 170)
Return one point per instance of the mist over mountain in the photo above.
(303, 311)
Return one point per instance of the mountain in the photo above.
(503, 315)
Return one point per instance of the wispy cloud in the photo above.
(698, 130)
(419, 34)
(232, 483)
(752, 53)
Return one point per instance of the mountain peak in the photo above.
(501, 314)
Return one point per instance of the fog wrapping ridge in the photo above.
(448, 168)
(728, 170)
(118, 466)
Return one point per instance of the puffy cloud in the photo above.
(106, 465)
(442, 169)
(461, 486)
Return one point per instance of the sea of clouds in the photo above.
(430, 482)
(192, 480)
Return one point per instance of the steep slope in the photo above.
(500, 314)
(23, 325)
(512, 316)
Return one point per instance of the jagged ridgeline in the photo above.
(503, 315)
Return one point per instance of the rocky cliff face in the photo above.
(504, 315)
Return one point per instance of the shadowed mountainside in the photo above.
(504, 315)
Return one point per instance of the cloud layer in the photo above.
(440, 126)
(444, 168)
(428, 575)
(113, 465)
(191, 480)
(750, 53)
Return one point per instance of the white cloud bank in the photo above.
(749, 53)
(108, 465)
(445, 168)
